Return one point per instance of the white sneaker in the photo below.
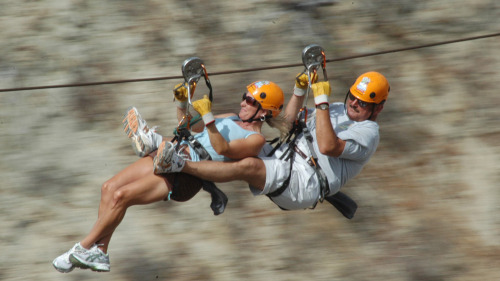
(167, 160)
(95, 259)
(144, 139)
(62, 262)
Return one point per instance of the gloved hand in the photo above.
(301, 83)
(204, 108)
(321, 92)
(181, 94)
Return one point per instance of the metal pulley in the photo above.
(313, 58)
(192, 70)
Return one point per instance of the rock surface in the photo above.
(428, 200)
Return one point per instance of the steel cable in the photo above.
(250, 69)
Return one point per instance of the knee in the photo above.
(250, 165)
(112, 194)
(119, 198)
(107, 189)
(253, 171)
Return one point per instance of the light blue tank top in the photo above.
(228, 129)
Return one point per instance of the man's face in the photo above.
(358, 110)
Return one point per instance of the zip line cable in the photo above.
(251, 69)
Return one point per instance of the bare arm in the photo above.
(328, 142)
(235, 149)
(293, 107)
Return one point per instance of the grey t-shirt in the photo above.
(361, 138)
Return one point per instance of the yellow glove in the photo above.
(301, 83)
(204, 108)
(181, 94)
(321, 91)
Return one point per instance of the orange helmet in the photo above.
(268, 95)
(371, 87)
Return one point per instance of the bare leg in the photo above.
(251, 170)
(135, 185)
(131, 173)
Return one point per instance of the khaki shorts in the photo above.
(303, 190)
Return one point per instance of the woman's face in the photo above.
(248, 108)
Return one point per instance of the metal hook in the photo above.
(313, 57)
(192, 70)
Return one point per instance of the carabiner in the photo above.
(313, 57)
(302, 112)
(184, 118)
(192, 70)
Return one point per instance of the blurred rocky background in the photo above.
(428, 200)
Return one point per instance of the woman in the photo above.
(139, 184)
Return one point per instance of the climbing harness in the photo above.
(313, 57)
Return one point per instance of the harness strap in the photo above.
(323, 182)
(199, 149)
(280, 190)
(343, 203)
(219, 198)
(184, 134)
(289, 155)
(193, 121)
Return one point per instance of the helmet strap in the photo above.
(345, 101)
(251, 119)
(262, 118)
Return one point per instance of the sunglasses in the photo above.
(360, 102)
(249, 99)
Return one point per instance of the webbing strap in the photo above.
(343, 203)
(219, 198)
(289, 155)
(323, 182)
(184, 134)
(280, 190)
(193, 121)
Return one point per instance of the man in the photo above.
(344, 137)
